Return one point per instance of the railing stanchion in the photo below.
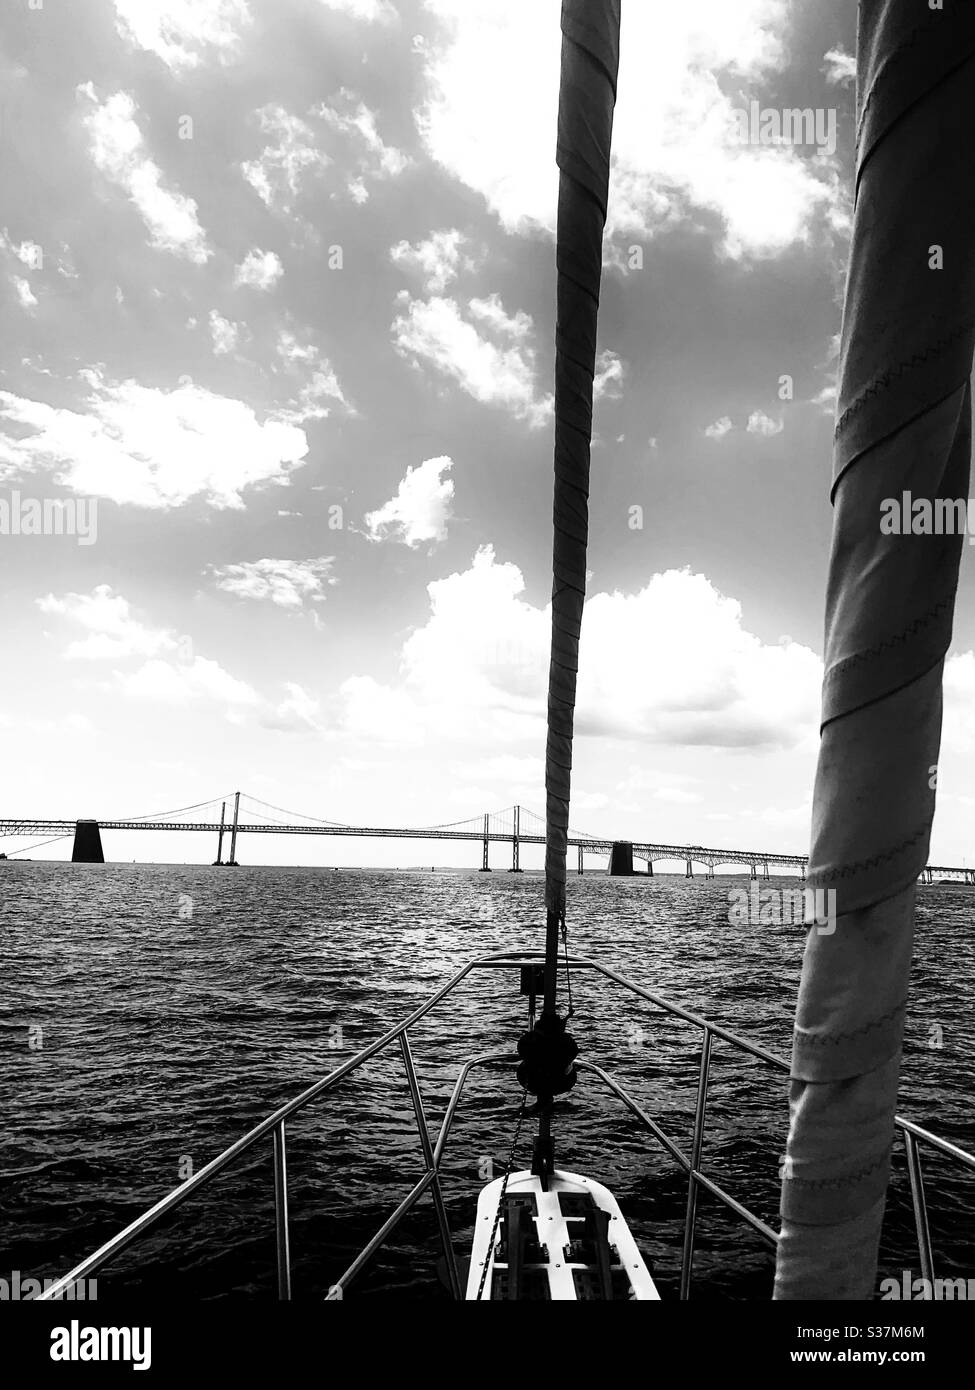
(690, 1220)
(435, 1190)
(920, 1208)
(281, 1213)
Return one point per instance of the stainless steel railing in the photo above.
(275, 1125)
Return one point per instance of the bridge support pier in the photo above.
(710, 872)
(689, 870)
(87, 848)
(621, 859)
(765, 872)
(485, 866)
(754, 871)
(649, 868)
(802, 871)
(515, 868)
(579, 870)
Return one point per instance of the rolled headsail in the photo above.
(587, 97)
(903, 427)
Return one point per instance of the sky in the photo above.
(277, 293)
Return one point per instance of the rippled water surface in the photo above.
(149, 1015)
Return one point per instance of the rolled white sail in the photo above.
(903, 426)
(587, 98)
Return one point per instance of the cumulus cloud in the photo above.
(438, 259)
(183, 32)
(673, 154)
(118, 152)
(720, 428)
(261, 270)
(760, 423)
(25, 295)
(478, 667)
(420, 509)
(608, 381)
(172, 671)
(840, 67)
(286, 583)
(148, 447)
(497, 370)
(223, 332)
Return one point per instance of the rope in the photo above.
(504, 1189)
(564, 930)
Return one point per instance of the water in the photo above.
(179, 1005)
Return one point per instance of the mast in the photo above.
(903, 425)
(587, 98)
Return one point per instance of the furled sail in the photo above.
(903, 426)
(587, 97)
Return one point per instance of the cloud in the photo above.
(719, 429)
(25, 295)
(438, 260)
(151, 448)
(115, 633)
(297, 712)
(286, 163)
(224, 333)
(372, 11)
(112, 628)
(478, 668)
(182, 32)
(319, 384)
(494, 373)
(375, 160)
(118, 152)
(421, 508)
(286, 583)
(179, 684)
(683, 69)
(259, 269)
(608, 381)
(760, 423)
(839, 67)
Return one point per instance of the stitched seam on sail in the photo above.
(834, 1039)
(873, 862)
(885, 379)
(839, 1182)
(849, 662)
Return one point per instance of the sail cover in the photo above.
(587, 98)
(903, 427)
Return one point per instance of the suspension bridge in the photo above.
(515, 826)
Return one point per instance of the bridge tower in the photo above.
(515, 869)
(223, 816)
(485, 866)
(232, 861)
